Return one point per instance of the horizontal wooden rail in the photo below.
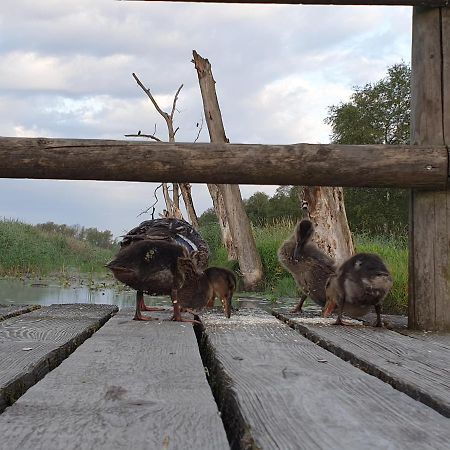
(431, 3)
(297, 164)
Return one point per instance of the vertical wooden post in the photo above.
(429, 264)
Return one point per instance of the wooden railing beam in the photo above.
(424, 167)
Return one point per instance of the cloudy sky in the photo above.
(65, 71)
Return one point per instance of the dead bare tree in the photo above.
(326, 209)
(227, 198)
(172, 202)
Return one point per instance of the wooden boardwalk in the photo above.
(133, 385)
(279, 383)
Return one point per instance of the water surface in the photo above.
(25, 292)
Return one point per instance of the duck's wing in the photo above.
(175, 230)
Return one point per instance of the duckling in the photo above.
(309, 265)
(195, 291)
(224, 284)
(360, 282)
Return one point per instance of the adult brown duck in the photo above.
(164, 257)
(309, 265)
(360, 283)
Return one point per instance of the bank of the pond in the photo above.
(28, 250)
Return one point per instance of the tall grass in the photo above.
(278, 283)
(26, 250)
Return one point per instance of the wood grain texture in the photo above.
(446, 72)
(437, 339)
(429, 263)
(323, 2)
(33, 344)
(416, 367)
(136, 385)
(292, 394)
(296, 164)
(7, 311)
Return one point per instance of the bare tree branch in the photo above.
(154, 203)
(150, 96)
(149, 136)
(175, 101)
(200, 128)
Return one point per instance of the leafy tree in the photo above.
(377, 113)
(257, 208)
(208, 217)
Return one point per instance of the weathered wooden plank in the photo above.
(7, 311)
(33, 344)
(323, 2)
(297, 164)
(446, 72)
(429, 271)
(418, 368)
(436, 338)
(137, 385)
(278, 390)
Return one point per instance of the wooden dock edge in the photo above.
(348, 356)
(235, 426)
(6, 312)
(13, 390)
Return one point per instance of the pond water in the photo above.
(22, 292)
(14, 291)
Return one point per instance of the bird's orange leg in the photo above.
(139, 303)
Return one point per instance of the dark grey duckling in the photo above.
(309, 265)
(360, 283)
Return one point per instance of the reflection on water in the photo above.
(18, 292)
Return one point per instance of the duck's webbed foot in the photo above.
(339, 321)
(139, 316)
(152, 308)
(177, 317)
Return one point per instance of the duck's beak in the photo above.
(330, 306)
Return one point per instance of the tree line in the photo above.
(103, 239)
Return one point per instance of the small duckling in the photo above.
(224, 284)
(309, 265)
(360, 282)
(195, 291)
